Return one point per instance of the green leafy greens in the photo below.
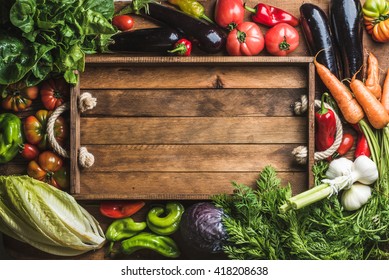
(324, 230)
(50, 37)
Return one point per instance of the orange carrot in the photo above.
(373, 76)
(385, 93)
(375, 112)
(348, 105)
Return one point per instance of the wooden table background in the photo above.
(99, 80)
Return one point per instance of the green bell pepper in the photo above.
(163, 245)
(165, 221)
(11, 136)
(123, 228)
(375, 8)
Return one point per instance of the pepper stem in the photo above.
(181, 49)
(323, 110)
(251, 10)
(207, 18)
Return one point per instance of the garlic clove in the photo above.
(339, 167)
(364, 170)
(357, 195)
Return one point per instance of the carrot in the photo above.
(373, 76)
(385, 93)
(348, 105)
(375, 111)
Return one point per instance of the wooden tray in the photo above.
(185, 127)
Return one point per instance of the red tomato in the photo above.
(30, 92)
(120, 209)
(281, 39)
(54, 92)
(49, 168)
(35, 129)
(246, 39)
(229, 13)
(29, 151)
(123, 22)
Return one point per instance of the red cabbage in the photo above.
(201, 227)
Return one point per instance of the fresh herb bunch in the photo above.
(324, 230)
(253, 222)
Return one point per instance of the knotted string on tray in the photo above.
(301, 152)
(85, 102)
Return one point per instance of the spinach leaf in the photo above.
(51, 37)
(19, 57)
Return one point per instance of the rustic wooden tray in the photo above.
(185, 127)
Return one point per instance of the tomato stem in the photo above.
(241, 36)
(284, 45)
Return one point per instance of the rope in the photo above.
(50, 130)
(86, 102)
(301, 153)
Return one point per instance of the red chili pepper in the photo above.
(325, 128)
(182, 47)
(270, 15)
(345, 146)
(362, 146)
(120, 209)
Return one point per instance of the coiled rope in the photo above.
(85, 102)
(301, 152)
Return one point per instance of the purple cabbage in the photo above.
(201, 227)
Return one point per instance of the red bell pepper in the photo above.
(120, 208)
(182, 47)
(270, 15)
(325, 128)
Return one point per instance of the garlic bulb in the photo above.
(364, 170)
(356, 196)
(339, 167)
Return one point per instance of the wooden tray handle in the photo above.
(86, 102)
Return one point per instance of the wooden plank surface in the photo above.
(190, 130)
(207, 121)
(248, 102)
(184, 77)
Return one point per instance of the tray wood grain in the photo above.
(184, 128)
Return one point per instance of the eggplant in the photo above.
(208, 37)
(149, 40)
(346, 21)
(318, 36)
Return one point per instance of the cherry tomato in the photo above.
(229, 13)
(246, 39)
(123, 22)
(281, 39)
(120, 209)
(29, 151)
